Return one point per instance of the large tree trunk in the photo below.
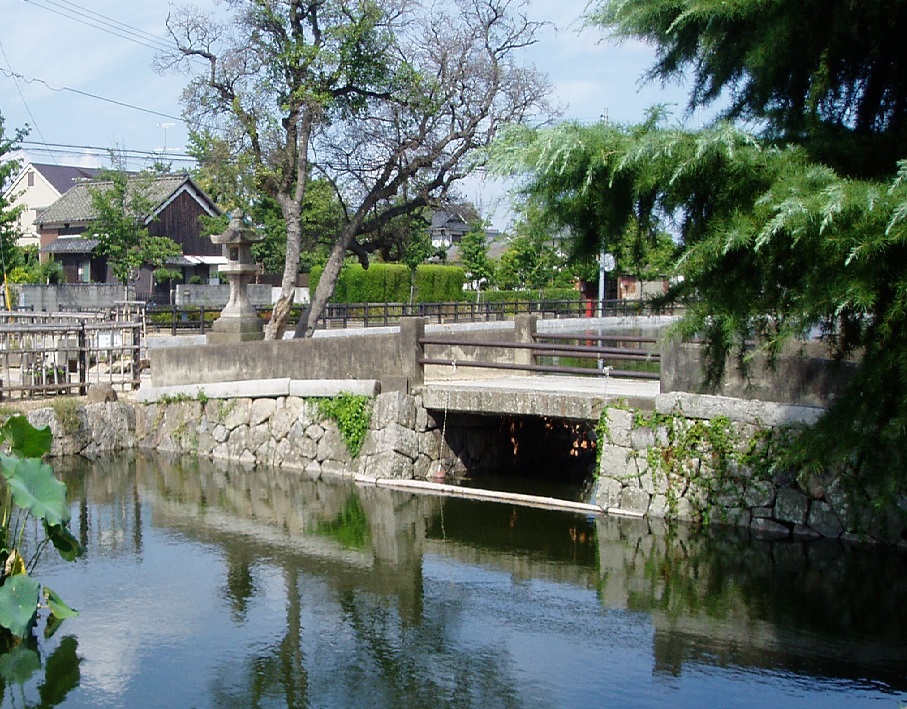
(325, 289)
(291, 201)
(280, 315)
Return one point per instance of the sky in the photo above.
(78, 79)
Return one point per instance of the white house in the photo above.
(37, 186)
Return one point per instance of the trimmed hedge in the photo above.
(389, 283)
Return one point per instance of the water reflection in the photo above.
(208, 585)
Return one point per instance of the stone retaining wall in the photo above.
(696, 458)
(713, 460)
(283, 432)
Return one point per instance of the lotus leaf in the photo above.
(35, 488)
(57, 605)
(24, 439)
(19, 603)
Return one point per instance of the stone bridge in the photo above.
(662, 453)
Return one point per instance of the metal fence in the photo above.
(43, 354)
(611, 355)
(178, 320)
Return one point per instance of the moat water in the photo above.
(211, 586)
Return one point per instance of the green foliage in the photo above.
(32, 492)
(352, 414)
(827, 74)
(439, 284)
(34, 272)
(322, 219)
(67, 412)
(701, 454)
(777, 248)
(389, 283)
(474, 257)
(531, 261)
(9, 215)
(121, 205)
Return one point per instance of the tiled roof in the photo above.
(70, 245)
(64, 177)
(75, 206)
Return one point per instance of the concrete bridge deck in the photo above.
(544, 395)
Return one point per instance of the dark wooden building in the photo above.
(178, 205)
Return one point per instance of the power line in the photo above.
(101, 22)
(66, 149)
(21, 95)
(31, 80)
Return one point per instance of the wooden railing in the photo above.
(64, 355)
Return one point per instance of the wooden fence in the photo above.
(43, 354)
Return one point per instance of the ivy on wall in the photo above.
(353, 414)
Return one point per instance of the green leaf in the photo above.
(19, 603)
(35, 488)
(25, 439)
(19, 664)
(57, 606)
(64, 541)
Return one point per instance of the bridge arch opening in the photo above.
(527, 451)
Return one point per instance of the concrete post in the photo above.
(411, 350)
(524, 329)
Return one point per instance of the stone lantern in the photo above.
(238, 321)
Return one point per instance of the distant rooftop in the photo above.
(62, 177)
(76, 205)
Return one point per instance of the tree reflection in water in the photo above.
(323, 593)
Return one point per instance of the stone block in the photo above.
(430, 444)
(763, 528)
(390, 408)
(425, 419)
(616, 461)
(206, 444)
(759, 493)
(607, 492)
(101, 392)
(620, 426)
(841, 504)
(733, 516)
(237, 413)
(642, 439)
(791, 506)
(261, 411)
(336, 468)
(658, 506)
(389, 464)
(332, 447)
(804, 533)
(424, 467)
(634, 499)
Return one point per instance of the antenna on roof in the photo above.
(165, 126)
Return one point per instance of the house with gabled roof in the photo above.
(36, 187)
(178, 205)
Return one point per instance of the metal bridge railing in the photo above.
(626, 357)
